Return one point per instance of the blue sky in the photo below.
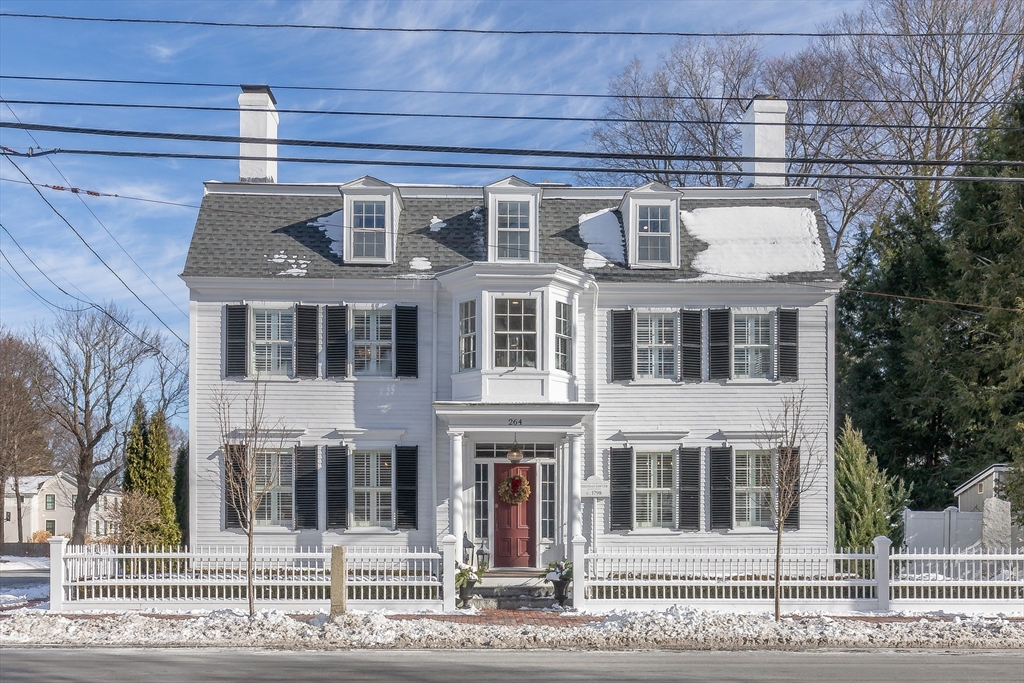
(156, 235)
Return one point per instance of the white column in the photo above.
(455, 504)
(448, 573)
(57, 546)
(575, 486)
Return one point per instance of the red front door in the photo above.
(514, 540)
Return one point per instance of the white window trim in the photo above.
(476, 334)
(491, 350)
(391, 214)
(631, 207)
(350, 324)
(351, 512)
(673, 490)
(752, 528)
(773, 345)
(677, 345)
(493, 197)
(277, 527)
(553, 325)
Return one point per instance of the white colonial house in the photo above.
(619, 348)
(48, 504)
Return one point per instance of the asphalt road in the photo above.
(111, 665)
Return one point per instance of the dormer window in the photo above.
(372, 208)
(512, 209)
(651, 216)
(513, 231)
(369, 230)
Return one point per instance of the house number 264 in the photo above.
(515, 422)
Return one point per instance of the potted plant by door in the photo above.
(466, 577)
(559, 573)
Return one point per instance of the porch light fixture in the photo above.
(483, 556)
(467, 548)
(515, 454)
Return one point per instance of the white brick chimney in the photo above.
(257, 118)
(764, 141)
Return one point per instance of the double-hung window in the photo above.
(563, 336)
(372, 342)
(369, 223)
(752, 345)
(467, 335)
(51, 501)
(513, 228)
(515, 333)
(272, 341)
(656, 345)
(654, 234)
(372, 500)
(273, 483)
(753, 488)
(654, 496)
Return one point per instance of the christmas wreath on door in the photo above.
(514, 489)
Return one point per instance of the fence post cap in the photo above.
(579, 538)
(57, 540)
(882, 540)
(449, 538)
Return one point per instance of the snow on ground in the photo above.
(675, 628)
(13, 563)
(748, 242)
(12, 597)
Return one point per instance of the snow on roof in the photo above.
(333, 227)
(600, 230)
(27, 486)
(755, 243)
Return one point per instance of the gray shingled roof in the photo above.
(239, 235)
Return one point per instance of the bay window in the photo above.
(515, 333)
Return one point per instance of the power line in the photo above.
(488, 93)
(537, 167)
(500, 151)
(95, 253)
(28, 288)
(510, 117)
(509, 32)
(101, 223)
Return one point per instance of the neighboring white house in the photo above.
(629, 343)
(47, 504)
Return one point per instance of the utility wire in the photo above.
(507, 32)
(490, 93)
(509, 117)
(537, 167)
(501, 151)
(101, 224)
(89, 303)
(28, 288)
(96, 254)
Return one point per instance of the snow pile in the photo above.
(675, 628)
(420, 263)
(12, 597)
(333, 227)
(436, 224)
(600, 230)
(755, 243)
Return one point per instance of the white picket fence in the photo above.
(811, 579)
(107, 577)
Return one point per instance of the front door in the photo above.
(515, 539)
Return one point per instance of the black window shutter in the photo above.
(719, 365)
(790, 477)
(690, 370)
(622, 345)
(621, 468)
(237, 340)
(337, 487)
(236, 496)
(721, 488)
(406, 338)
(337, 341)
(406, 469)
(306, 489)
(689, 489)
(305, 341)
(789, 323)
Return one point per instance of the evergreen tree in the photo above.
(181, 491)
(136, 449)
(160, 485)
(869, 503)
(1013, 488)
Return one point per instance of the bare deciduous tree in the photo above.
(137, 517)
(24, 427)
(797, 462)
(253, 444)
(98, 366)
